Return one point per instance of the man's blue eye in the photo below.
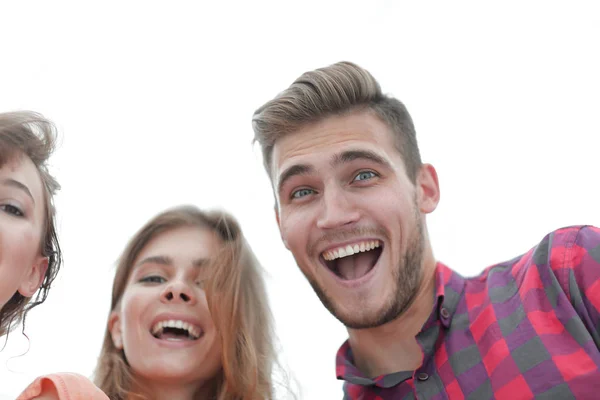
(301, 193)
(364, 175)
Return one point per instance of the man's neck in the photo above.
(393, 347)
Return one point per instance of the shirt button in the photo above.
(445, 313)
(422, 376)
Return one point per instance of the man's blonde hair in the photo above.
(334, 90)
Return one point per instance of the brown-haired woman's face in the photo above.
(163, 323)
(22, 266)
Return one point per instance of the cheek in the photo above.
(287, 234)
(131, 316)
(295, 226)
(217, 355)
(18, 247)
(387, 205)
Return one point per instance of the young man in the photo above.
(352, 197)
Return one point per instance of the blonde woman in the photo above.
(189, 318)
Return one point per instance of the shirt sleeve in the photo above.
(575, 260)
(69, 386)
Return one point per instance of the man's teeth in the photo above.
(344, 251)
(193, 331)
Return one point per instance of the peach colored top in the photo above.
(69, 386)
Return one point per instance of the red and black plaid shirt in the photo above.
(527, 328)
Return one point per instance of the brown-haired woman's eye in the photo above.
(13, 210)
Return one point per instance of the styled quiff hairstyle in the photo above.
(29, 134)
(334, 90)
(237, 300)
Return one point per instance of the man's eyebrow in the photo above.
(294, 170)
(18, 185)
(351, 155)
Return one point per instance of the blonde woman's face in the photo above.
(163, 323)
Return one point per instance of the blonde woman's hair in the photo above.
(237, 301)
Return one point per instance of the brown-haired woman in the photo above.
(30, 255)
(189, 315)
(29, 251)
(189, 318)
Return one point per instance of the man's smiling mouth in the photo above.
(354, 260)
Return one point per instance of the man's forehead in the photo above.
(314, 149)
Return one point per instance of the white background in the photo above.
(154, 101)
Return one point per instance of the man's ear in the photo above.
(428, 189)
(276, 209)
(115, 329)
(34, 278)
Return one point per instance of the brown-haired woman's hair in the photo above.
(237, 302)
(29, 134)
(334, 90)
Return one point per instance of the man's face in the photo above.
(351, 216)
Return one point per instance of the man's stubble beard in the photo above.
(407, 278)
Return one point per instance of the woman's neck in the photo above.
(161, 390)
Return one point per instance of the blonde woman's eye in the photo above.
(365, 175)
(153, 279)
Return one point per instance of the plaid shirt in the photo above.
(527, 328)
